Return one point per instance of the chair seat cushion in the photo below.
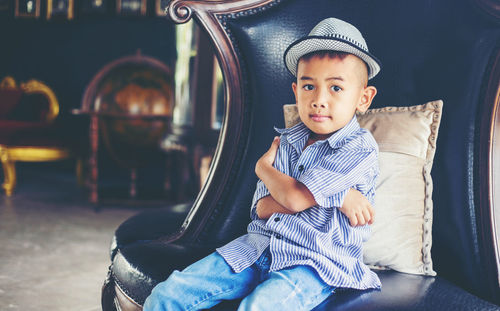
(25, 133)
(149, 225)
(401, 291)
(139, 267)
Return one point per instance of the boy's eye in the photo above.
(308, 87)
(336, 88)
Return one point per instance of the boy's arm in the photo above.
(285, 190)
(267, 206)
(288, 196)
(355, 206)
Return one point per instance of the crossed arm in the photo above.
(289, 196)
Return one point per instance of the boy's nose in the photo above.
(321, 100)
(319, 105)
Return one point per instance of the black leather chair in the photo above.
(447, 49)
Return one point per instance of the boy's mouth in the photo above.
(319, 117)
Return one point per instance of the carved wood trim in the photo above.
(212, 17)
(125, 302)
(489, 176)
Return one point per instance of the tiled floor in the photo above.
(53, 244)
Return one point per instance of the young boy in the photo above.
(311, 209)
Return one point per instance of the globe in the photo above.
(134, 98)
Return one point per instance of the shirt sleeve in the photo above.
(260, 192)
(261, 189)
(330, 180)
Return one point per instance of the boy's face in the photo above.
(328, 92)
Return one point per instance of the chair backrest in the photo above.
(32, 101)
(448, 49)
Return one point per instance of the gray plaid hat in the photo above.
(335, 35)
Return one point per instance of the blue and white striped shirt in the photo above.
(321, 236)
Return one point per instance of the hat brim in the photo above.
(310, 44)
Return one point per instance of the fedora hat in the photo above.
(331, 34)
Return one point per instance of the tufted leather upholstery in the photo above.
(429, 50)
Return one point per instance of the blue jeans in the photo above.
(211, 280)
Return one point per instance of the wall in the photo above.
(67, 54)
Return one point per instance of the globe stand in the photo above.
(129, 102)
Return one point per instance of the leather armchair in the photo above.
(27, 128)
(447, 49)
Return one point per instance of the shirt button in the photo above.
(277, 219)
(301, 168)
(278, 236)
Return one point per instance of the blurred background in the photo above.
(106, 109)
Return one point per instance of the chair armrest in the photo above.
(37, 87)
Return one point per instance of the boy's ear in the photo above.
(294, 88)
(366, 99)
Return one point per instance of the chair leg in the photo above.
(9, 172)
(81, 177)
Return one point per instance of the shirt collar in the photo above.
(295, 133)
(338, 138)
(300, 132)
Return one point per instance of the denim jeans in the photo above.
(207, 282)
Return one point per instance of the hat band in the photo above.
(343, 38)
(336, 38)
(364, 51)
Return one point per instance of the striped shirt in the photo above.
(321, 236)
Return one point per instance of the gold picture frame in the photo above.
(131, 7)
(94, 7)
(60, 8)
(27, 8)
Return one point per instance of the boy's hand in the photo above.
(268, 157)
(357, 208)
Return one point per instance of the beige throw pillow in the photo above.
(402, 231)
